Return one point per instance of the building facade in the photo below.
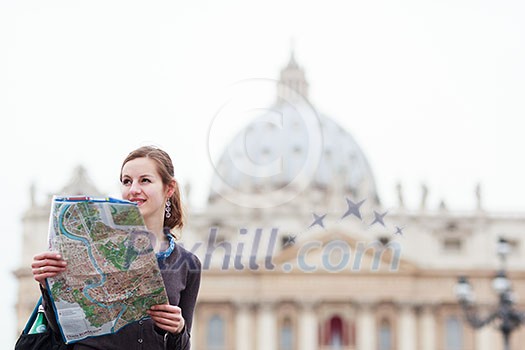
(298, 252)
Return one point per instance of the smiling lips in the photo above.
(139, 201)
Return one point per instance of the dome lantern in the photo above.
(292, 77)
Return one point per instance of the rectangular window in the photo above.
(453, 333)
(286, 335)
(216, 333)
(452, 245)
(385, 335)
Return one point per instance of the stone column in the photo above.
(427, 336)
(484, 338)
(195, 328)
(244, 330)
(366, 334)
(308, 331)
(266, 327)
(407, 328)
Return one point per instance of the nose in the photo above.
(135, 187)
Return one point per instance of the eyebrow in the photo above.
(142, 175)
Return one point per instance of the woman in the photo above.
(147, 178)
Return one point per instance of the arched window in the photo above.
(336, 333)
(216, 333)
(286, 335)
(385, 335)
(453, 333)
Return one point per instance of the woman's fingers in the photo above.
(168, 312)
(48, 269)
(167, 317)
(47, 258)
(165, 308)
(47, 264)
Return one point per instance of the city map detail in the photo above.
(112, 275)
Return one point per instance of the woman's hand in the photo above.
(167, 317)
(47, 264)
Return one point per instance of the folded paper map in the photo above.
(112, 274)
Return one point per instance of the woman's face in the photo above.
(142, 184)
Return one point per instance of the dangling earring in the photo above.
(168, 209)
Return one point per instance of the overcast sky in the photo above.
(431, 90)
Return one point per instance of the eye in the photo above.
(145, 180)
(126, 181)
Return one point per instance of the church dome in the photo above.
(292, 148)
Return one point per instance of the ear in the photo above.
(171, 188)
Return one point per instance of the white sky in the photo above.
(431, 90)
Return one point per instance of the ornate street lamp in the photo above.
(506, 314)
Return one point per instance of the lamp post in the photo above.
(506, 314)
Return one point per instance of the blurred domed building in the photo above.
(298, 252)
(290, 150)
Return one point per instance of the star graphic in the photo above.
(290, 240)
(353, 208)
(378, 218)
(318, 220)
(399, 230)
